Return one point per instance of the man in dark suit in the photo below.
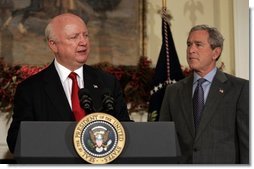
(220, 132)
(47, 95)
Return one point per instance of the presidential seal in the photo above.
(99, 138)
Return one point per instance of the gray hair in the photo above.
(49, 32)
(215, 37)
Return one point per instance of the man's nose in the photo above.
(83, 40)
(191, 48)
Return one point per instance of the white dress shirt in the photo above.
(63, 73)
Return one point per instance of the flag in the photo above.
(168, 70)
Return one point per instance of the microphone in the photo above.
(108, 103)
(86, 101)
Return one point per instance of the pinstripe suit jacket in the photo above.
(223, 133)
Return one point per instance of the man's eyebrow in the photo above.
(195, 41)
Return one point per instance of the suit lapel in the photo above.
(56, 94)
(213, 99)
(94, 86)
(187, 104)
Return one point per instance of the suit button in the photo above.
(195, 149)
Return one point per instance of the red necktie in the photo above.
(79, 113)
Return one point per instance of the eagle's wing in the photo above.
(106, 135)
(92, 136)
(200, 7)
(186, 7)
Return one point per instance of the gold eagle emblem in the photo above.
(99, 136)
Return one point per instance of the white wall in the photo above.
(241, 25)
(4, 126)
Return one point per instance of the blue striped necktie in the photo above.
(198, 102)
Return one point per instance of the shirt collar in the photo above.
(209, 77)
(64, 72)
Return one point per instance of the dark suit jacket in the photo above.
(223, 133)
(42, 98)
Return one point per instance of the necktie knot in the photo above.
(201, 81)
(73, 76)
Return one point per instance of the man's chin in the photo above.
(82, 59)
(192, 66)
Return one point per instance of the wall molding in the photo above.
(241, 32)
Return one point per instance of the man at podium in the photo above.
(53, 94)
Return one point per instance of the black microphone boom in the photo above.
(108, 103)
(86, 101)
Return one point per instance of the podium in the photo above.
(52, 143)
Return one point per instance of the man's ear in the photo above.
(217, 51)
(52, 45)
